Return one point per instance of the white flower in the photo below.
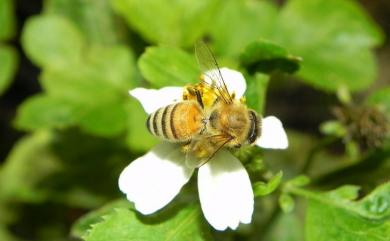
(225, 190)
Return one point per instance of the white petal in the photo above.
(153, 180)
(225, 191)
(272, 134)
(152, 99)
(234, 80)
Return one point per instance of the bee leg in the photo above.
(199, 98)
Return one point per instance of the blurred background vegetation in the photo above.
(68, 126)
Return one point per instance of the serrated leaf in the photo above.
(375, 206)
(178, 23)
(247, 21)
(262, 189)
(52, 41)
(85, 223)
(167, 66)
(325, 223)
(8, 66)
(328, 222)
(336, 216)
(266, 57)
(125, 225)
(333, 53)
(7, 19)
(95, 19)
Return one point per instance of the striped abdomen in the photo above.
(176, 122)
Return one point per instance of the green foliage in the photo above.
(124, 224)
(8, 65)
(85, 223)
(95, 19)
(334, 39)
(286, 202)
(265, 56)
(381, 98)
(7, 19)
(185, 20)
(52, 41)
(74, 77)
(262, 189)
(328, 217)
(168, 66)
(247, 22)
(8, 55)
(62, 168)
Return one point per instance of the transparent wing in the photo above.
(210, 68)
(208, 145)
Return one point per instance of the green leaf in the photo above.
(8, 65)
(7, 19)
(265, 56)
(333, 53)
(240, 22)
(41, 111)
(335, 216)
(256, 91)
(286, 202)
(177, 23)
(262, 189)
(106, 119)
(325, 223)
(92, 94)
(95, 19)
(328, 223)
(381, 98)
(52, 41)
(166, 66)
(299, 181)
(375, 206)
(115, 64)
(85, 223)
(124, 225)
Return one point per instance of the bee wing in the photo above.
(210, 68)
(213, 143)
(192, 161)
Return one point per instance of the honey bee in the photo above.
(206, 128)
